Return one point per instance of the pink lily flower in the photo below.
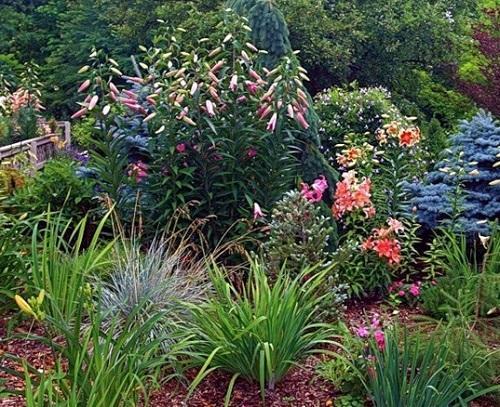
(257, 211)
(271, 125)
(233, 84)
(210, 108)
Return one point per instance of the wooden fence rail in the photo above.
(38, 149)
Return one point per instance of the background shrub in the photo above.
(463, 188)
(59, 187)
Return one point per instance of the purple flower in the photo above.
(362, 332)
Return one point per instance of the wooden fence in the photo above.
(38, 149)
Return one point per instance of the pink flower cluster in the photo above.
(138, 171)
(399, 287)
(314, 193)
(351, 195)
(374, 329)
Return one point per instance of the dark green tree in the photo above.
(269, 28)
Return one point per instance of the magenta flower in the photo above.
(314, 193)
(401, 293)
(181, 148)
(251, 152)
(257, 211)
(380, 339)
(251, 87)
(241, 99)
(415, 290)
(139, 171)
(375, 322)
(362, 332)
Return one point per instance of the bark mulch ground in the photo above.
(300, 388)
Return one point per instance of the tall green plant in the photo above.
(417, 375)
(261, 332)
(269, 28)
(469, 286)
(61, 265)
(97, 367)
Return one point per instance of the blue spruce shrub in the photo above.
(464, 188)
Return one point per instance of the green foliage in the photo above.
(357, 110)
(269, 29)
(95, 367)
(416, 373)
(435, 100)
(61, 266)
(261, 332)
(349, 400)
(343, 371)
(100, 360)
(57, 186)
(82, 132)
(299, 234)
(468, 348)
(327, 37)
(469, 286)
(13, 262)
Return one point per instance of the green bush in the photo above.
(261, 332)
(299, 234)
(81, 133)
(59, 187)
(468, 348)
(356, 110)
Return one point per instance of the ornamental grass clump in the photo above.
(262, 331)
(161, 279)
(416, 374)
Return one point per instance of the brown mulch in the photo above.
(300, 388)
(37, 354)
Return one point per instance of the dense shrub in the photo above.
(464, 187)
(59, 187)
(298, 234)
(357, 110)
